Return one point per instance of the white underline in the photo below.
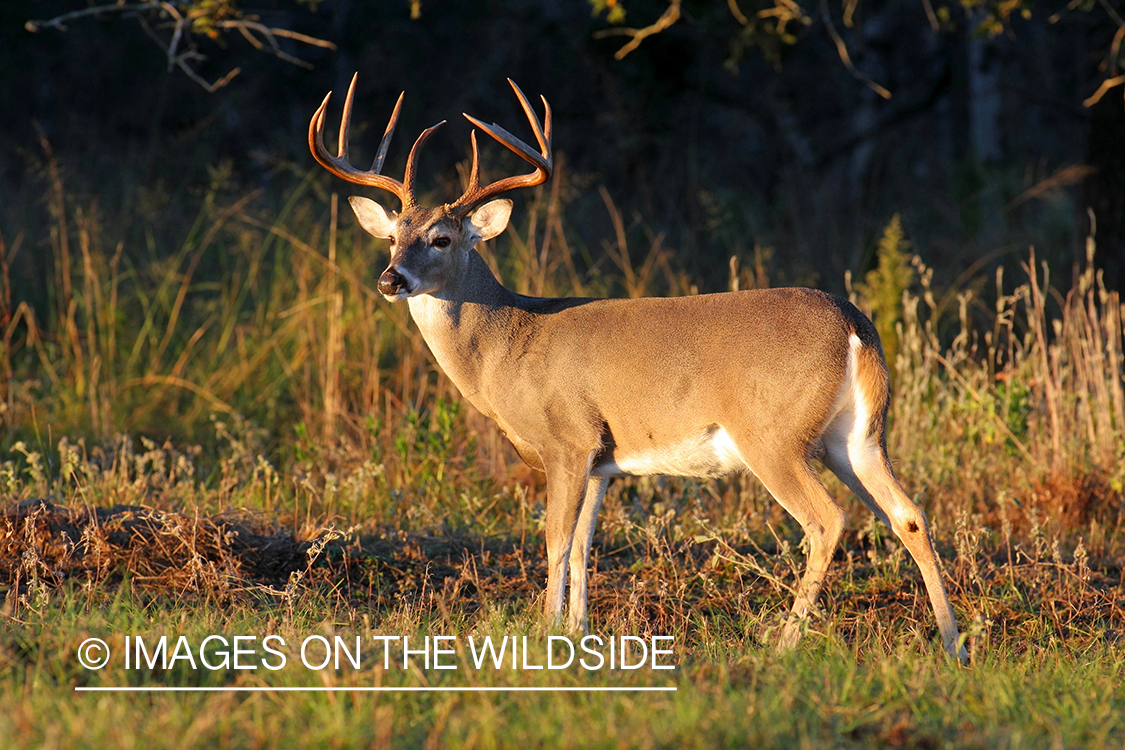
(238, 689)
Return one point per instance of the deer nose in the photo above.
(392, 282)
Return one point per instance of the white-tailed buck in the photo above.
(587, 389)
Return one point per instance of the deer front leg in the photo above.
(580, 553)
(566, 488)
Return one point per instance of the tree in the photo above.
(770, 27)
(179, 26)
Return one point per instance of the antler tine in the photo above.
(346, 120)
(474, 170)
(377, 165)
(541, 160)
(409, 198)
(514, 144)
(542, 135)
(468, 199)
(339, 165)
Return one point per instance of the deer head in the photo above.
(430, 246)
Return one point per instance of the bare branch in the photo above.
(1071, 175)
(1069, 7)
(1112, 12)
(785, 11)
(1106, 86)
(244, 26)
(845, 58)
(1115, 49)
(303, 38)
(249, 37)
(184, 16)
(59, 22)
(669, 17)
(171, 10)
(737, 12)
(211, 87)
(177, 35)
(931, 15)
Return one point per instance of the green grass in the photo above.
(1044, 628)
(824, 695)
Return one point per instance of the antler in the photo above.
(342, 168)
(475, 194)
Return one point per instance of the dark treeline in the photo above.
(985, 146)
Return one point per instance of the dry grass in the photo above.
(244, 432)
(667, 571)
(317, 405)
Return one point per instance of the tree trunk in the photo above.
(1105, 189)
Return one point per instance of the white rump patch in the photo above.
(847, 436)
(860, 447)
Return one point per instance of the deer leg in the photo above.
(867, 472)
(566, 488)
(793, 484)
(580, 553)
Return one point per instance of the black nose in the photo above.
(392, 282)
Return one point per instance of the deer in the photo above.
(761, 381)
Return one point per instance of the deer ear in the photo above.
(373, 217)
(492, 218)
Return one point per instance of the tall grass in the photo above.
(242, 436)
(1022, 415)
(262, 339)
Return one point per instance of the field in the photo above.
(241, 438)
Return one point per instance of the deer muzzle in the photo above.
(392, 283)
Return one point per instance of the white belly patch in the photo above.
(710, 454)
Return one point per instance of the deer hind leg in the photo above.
(580, 553)
(794, 485)
(860, 461)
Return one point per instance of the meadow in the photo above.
(218, 427)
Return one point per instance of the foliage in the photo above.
(769, 26)
(190, 19)
(883, 286)
(614, 11)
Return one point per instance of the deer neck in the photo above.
(463, 324)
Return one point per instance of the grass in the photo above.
(1044, 627)
(239, 437)
(728, 695)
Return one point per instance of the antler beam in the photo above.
(340, 166)
(542, 160)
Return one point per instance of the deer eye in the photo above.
(441, 242)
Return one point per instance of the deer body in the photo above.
(621, 386)
(586, 389)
